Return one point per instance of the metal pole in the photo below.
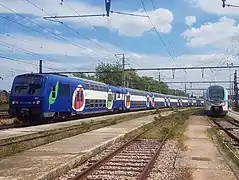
(40, 66)
(123, 71)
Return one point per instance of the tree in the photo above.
(113, 76)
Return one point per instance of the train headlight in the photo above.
(223, 103)
(13, 102)
(38, 102)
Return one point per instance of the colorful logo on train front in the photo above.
(78, 99)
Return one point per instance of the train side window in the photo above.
(91, 103)
(91, 86)
(100, 103)
(87, 103)
(87, 86)
(96, 103)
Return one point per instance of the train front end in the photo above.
(216, 101)
(27, 96)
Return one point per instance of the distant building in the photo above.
(4, 96)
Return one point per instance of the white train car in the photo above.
(216, 101)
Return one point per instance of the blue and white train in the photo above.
(216, 101)
(59, 96)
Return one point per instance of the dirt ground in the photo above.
(202, 155)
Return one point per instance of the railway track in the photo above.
(4, 114)
(231, 128)
(132, 159)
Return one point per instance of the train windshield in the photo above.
(216, 94)
(30, 89)
(28, 86)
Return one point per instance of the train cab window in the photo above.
(21, 90)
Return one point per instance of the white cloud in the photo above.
(82, 62)
(125, 25)
(190, 20)
(215, 6)
(218, 34)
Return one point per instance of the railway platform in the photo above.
(201, 155)
(28, 132)
(47, 161)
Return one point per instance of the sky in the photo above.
(175, 33)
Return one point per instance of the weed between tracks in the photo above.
(162, 126)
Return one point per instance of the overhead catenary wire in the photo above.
(22, 61)
(55, 36)
(158, 34)
(77, 32)
(42, 56)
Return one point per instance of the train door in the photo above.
(153, 102)
(169, 104)
(181, 102)
(178, 103)
(148, 101)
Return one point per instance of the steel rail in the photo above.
(92, 168)
(226, 131)
(150, 164)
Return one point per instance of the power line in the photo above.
(156, 31)
(21, 61)
(156, 69)
(77, 32)
(154, 6)
(24, 50)
(56, 36)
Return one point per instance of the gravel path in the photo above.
(164, 165)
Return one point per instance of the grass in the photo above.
(163, 125)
